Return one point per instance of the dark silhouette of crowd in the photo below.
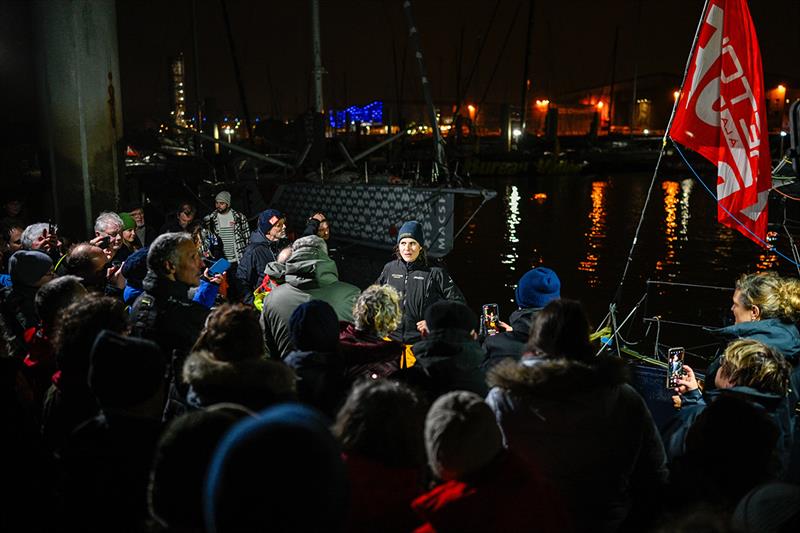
(218, 376)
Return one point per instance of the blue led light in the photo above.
(371, 113)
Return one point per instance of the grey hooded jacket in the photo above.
(309, 275)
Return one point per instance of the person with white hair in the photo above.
(108, 233)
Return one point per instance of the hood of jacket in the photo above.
(520, 321)
(783, 336)
(308, 269)
(558, 378)
(213, 381)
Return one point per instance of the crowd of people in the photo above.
(217, 376)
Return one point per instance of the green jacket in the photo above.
(310, 275)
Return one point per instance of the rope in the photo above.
(691, 285)
(795, 198)
(727, 212)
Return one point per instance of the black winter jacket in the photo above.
(179, 319)
(258, 254)
(419, 286)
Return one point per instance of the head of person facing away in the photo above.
(279, 471)
(560, 330)
(750, 363)
(765, 295)
(383, 421)
(537, 287)
(377, 310)
(461, 436)
(183, 453)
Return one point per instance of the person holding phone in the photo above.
(419, 284)
(535, 289)
(108, 234)
(751, 370)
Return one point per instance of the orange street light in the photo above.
(600, 104)
(676, 95)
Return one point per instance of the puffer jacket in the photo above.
(590, 432)
(419, 286)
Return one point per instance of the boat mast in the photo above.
(523, 107)
(317, 50)
(440, 164)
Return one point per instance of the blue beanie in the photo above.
(537, 288)
(135, 268)
(411, 229)
(280, 471)
(268, 218)
(314, 327)
(26, 267)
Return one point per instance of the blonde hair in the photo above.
(776, 297)
(750, 363)
(377, 310)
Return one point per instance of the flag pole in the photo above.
(611, 317)
(685, 72)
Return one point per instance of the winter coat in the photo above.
(447, 360)
(106, 471)
(589, 430)
(258, 254)
(309, 276)
(508, 496)
(419, 286)
(320, 379)
(693, 403)
(509, 343)
(179, 319)
(381, 496)
(254, 383)
(366, 354)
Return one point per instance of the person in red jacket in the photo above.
(484, 487)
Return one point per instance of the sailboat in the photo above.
(720, 115)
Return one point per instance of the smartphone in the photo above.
(674, 366)
(490, 314)
(219, 267)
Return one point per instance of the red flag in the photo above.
(722, 116)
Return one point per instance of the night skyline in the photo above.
(572, 46)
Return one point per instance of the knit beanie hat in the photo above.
(461, 435)
(768, 508)
(446, 314)
(134, 269)
(223, 196)
(288, 453)
(268, 218)
(125, 371)
(127, 221)
(314, 326)
(538, 287)
(411, 229)
(26, 267)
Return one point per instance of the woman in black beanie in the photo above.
(419, 285)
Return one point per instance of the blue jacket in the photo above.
(205, 295)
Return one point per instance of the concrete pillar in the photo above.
(80, 111)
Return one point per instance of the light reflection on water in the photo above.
(582, 227)
(596, 233)
(512, 221)
(670, 223)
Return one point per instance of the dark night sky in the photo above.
(572, 47)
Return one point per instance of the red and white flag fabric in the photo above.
(722, 116)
